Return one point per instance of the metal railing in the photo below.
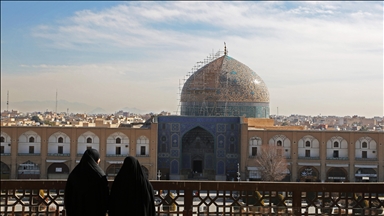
(187, 198)
(28, 154)
(117, 155)
(337, 158)
(365, 159)
(59, 154)
(309, 158)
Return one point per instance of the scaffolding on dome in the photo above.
(210, 58)
(222, 86)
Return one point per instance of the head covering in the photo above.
(131, 192)
(89, 160)
(94, 154)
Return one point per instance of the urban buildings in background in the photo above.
(224, 122)
(126, 119)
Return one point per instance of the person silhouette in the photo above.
(131, 192)
(86, 192)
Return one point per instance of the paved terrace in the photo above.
(187, 198)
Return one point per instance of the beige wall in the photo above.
(14, 159)
(150, 162)
(350, 164)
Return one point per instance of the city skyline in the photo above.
(315, 57)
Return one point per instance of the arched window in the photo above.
(2, 139)
(279, 143)
(118, 140)
(31, 139)
(336, 145)
(60, 140)
(307, 144)
(254, 151)
(364, 145)
(142, 146)
(89, 140)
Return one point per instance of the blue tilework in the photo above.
(175, 167)
(220, 168)
(175, 153)
(209, 161)
(175, 140)
(221, 128)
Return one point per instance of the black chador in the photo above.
(86, 191)
(131, 192)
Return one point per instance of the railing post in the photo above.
(296, 202)
(187, 212)
(188, 199)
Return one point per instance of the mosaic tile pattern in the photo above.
(225, 87)
(224, 131)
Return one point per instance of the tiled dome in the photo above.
(225, 87)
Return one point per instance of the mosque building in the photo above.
(205, 140)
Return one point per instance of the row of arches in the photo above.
(336, 174)
(333, 174)
(60, 137)
(309, 146)
(30, 170)
(59, 143)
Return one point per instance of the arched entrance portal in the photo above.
(4, 171)
(198, 155)
(308, 174)
(28, 170)
(337, 174)
(58, 171)
(366, 175)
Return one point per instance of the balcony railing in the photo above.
(59, 155)
(117, 155)
(337, 158)
(199, 198)
(309, 158)
(366, 159)
(28, 154)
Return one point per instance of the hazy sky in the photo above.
(315, 57)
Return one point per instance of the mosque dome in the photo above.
(225, 87)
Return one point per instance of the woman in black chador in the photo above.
(131, 192)
(86, 191)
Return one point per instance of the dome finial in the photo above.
(225, 49)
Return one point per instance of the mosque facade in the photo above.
(199, 147)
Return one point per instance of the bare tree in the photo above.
(272, 162)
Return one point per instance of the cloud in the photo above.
(147, 47)
(183, 25)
